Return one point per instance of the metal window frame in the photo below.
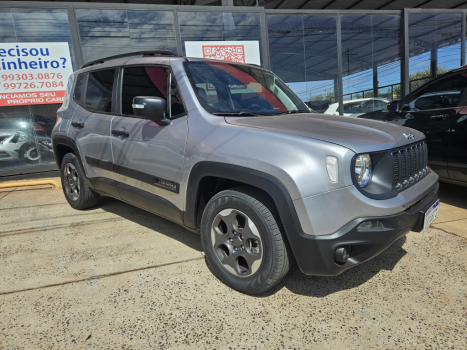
(71, 8)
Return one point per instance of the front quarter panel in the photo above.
(298, 162)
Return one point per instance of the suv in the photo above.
(229, 151)
(438, 109)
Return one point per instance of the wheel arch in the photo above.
(63, 145)
(226, 176)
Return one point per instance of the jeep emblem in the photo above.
(409, 136)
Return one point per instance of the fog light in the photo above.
(370, 225)
(341, 255)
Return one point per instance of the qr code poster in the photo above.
(233, 51)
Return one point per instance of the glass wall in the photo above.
(370, 62)
(303, 53)
(434, 45)
(25, 142)
(106, 33)
(219, 26)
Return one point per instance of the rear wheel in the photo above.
(242, 242)
(77, 192)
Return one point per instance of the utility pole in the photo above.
(348, 54)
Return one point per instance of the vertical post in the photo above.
(336, 89)
(178, 38)
(339, 65)
(405, 84)
(434, 60)
(227, 3)
(265, 40)
(375, 79)
(463, 38)
(73, 23)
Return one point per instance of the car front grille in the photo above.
(410, 164)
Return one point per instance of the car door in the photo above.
(148, 158)
(433, 110)
(458, 158)
(91, 121)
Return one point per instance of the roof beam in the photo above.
(304, 4)
(279, 4)
(386, 4)
(462, 3)
(328, 4)
(422, 3)
(358, 2)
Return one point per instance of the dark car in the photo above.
(439, 110)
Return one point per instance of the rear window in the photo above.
(99, 88)
(78, 93)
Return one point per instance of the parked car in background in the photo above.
(229, 151)
(23, 140)
(439, 110)
(354, 108)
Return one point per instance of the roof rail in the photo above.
(130, 54)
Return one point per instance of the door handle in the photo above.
(121, 133)
(78, 125)
(439, 116)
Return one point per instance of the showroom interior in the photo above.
(328, 52)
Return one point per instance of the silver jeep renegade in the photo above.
(229, 151)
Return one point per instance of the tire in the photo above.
(77, 192)
(28, 154)
(235, 219)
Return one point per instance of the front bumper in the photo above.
(315, 254)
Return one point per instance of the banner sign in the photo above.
(33, 73)
(233, 51)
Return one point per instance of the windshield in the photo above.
(232, 89)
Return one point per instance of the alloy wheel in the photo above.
(237, 242)
(71, 181)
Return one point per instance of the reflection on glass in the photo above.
(370, 63)
(35, 25)
(216, 26)
(303, 53)
(25, 130)
(106, 33)
(434, 44)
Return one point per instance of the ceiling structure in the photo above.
(302, 4)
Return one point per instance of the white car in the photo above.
(354, 108)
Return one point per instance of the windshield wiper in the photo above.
(236, 113)
(296, 111)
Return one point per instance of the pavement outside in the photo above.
(116, 276)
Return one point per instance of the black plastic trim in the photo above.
(315, 254)
(393, 192)
(134, 174)
(263, 181)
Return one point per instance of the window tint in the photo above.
(176, 103)
(80, 81)
(142, 81)
(444, 94)
(356, 107)
(99, 90)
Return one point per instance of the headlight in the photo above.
(23, 136)
(363, 169)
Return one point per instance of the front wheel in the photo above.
(242, 242)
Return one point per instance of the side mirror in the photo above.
(152, 108)
(393, 106)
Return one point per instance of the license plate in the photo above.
(430, 215)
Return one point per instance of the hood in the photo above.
(359, 135)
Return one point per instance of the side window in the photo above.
(176, 104)
(142, 81)
(353, 107)
(79, 86)
(444, 94)
(99, 90)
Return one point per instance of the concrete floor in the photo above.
(118, 277)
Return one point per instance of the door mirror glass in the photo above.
(152, 108)
(393, 106)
